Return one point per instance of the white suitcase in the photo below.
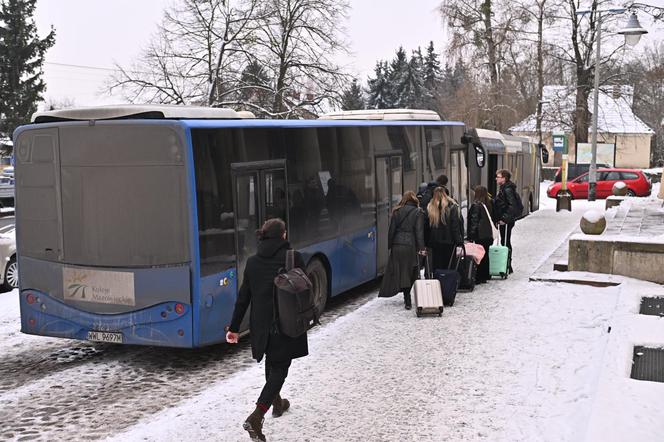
(427, 296)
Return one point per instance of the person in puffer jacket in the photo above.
(406, 242)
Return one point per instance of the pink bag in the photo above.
(476, 251)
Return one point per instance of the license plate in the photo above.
(105, 337)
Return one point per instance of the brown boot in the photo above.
(279, 406)
(254, 425)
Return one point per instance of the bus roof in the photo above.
(211, 124)
(138, 111)
(383, 114)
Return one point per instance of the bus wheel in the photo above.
(318, 276)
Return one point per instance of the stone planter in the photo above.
(593, 223)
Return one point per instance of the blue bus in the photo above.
(134, 223)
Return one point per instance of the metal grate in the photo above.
(648, 364)
(652, 306)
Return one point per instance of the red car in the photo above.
(637, 184)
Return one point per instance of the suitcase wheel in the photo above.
(503, 275)
(418, 311)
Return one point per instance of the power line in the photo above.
(82, 66)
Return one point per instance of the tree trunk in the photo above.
(492, 54)
(581, 113)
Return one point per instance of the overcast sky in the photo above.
(91, 35)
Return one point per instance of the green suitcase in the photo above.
(498, 260)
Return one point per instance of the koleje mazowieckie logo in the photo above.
(77, 285)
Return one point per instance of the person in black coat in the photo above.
(506, 209)
(443, 230)
(426, 192)
(257, 290)
(405, 241)
(480, 229)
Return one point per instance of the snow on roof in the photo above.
(382, 114)
(138, 111)
(615, 111)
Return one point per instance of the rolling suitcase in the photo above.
(467, 271)
(498, 260)
(427, 295)
(449, 281)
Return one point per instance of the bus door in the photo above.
(389, 189)
(260, 193)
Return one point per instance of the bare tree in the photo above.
(480, 28)
(579, 52)
(196, 56)
(297, 40)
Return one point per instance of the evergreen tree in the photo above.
(379, 92)
(353, 98)
(255, 89)
(431, 78)
(398, 78)
(411, 89)
(21, 59)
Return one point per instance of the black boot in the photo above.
(279, 406)
(406, 300)
(254, 425)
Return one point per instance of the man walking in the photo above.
(507, 209)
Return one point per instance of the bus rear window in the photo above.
(122, 194)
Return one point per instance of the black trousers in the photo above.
(275, 376)
(483, 268)
(506, 239)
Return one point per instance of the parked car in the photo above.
(8, 265)
(637, 184)
(576, 170)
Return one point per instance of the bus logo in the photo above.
(98, 286)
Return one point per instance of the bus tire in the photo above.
(317, 274)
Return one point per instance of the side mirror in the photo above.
(544, 152)
(480, 155)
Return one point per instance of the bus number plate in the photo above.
(105, 337)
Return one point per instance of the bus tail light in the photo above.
(179, 309)
(31, 298)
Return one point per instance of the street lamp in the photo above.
(632, 32)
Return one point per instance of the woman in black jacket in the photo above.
(257, 290)
(405, 241)
(443, 229)
(480, 229)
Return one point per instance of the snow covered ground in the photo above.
(514, 360)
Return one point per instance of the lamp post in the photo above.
(632, 32)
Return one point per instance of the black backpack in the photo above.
(519, 204)
(294, 308)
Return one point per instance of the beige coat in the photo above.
(660, 195)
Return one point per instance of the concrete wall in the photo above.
(610, 254)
